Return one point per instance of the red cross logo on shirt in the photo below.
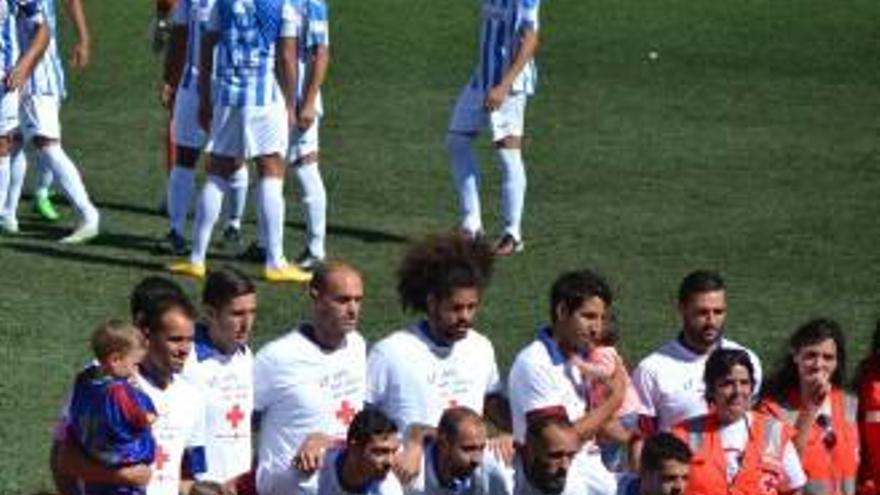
(161, 457)
(345, 413)
(234, 416)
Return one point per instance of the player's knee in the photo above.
(186, 157)
(509, 142)
(43, 141)
(456, 141)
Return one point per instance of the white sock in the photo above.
(271, 206)
(467, 180)
(236, 201)
(44, 178)
(314, 200)
(4, 178)
(207, 212)
(181, 183)
(70, 180)
(261, 222)
(17, 171)
(513, 190)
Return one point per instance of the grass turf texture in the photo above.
(748, 145)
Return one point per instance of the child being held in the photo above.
(109, 416)
(596, 366)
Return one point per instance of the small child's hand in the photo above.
(151, 418)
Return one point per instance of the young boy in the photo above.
(110, 417)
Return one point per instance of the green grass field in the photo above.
(749, 145)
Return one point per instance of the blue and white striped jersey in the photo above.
(503, 22)
(48, 76)
(193, 14)
(245, 54)
(313, 33)
(28, 13)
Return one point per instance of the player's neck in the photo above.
(160, 377)
(327, 340)
(696, 348)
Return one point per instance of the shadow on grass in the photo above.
(90, 258)
(43, 231)
(152, 211)
(369, 236)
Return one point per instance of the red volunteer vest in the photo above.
(869, 426)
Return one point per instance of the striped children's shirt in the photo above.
(48, 76)
(28, 13)
(193, 14)
(245, 57)
(313, 33)
(503, 22)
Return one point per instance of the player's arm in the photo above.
(81, 52)
(175, 58)
(409, 462)
(285, 71)
(26, 63)
(311, 453)
(528, 46)
(597, 418)
(496, 410)
(320, 63)
(206, 69)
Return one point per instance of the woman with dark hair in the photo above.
(806, 392)
(736, 450)
(868, 388)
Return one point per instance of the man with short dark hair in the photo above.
(457, 462)
(670, 380)
(664, 468)
(364, 463)
(545, 458)
(310, 383)
(222, 366)
(544, 379)
(166, 319)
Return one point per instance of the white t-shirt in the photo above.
(226, 381)
(734, 438)
(412, 379)
(541, 377)
(328, 481)
(670, 382)
(301, 389)
(179, 426)
(492, 477)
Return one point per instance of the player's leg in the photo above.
(303, 157)
(266, 140)
(190, 139)
(507, 131)
(9, 115)
(43, 205)
(234, 208)
(17, 172)
(468, 118)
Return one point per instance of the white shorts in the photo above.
(470, 114)
(39, 116)
(248, 132)
(187, 131)
(303, 142)
(8, 113)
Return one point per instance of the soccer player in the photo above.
(180, 92)
(458, 462)
(364, 463)
(670, 380)
(310, 383)
(250, 114)
(41, 99)
(440, 361)
(166, 318)
(20, 57)
(544, 461)
(79, 58)
(222, 367)
(313, 57)
(496, 97)
(544, 379)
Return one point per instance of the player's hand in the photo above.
(80, 54)
(495, 98)
(310, 455)
(409, 463)
(502, 446)
(14, 79)
(815, 388)
(137, 474)
(206, 113)
(291, 117)
(166, 95)
(307, 116)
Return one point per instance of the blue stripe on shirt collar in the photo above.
(205, 348)
(425, 329)
(545, 336)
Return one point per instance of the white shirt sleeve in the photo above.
(644, 383)
(291, 20)
(264, 382)
(378, 375)
(529, 13)
(493, 380)
(198, 435)
(536, 390)
(793, 476)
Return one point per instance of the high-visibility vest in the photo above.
(761, 470)
(869, 425)
(830, 470)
